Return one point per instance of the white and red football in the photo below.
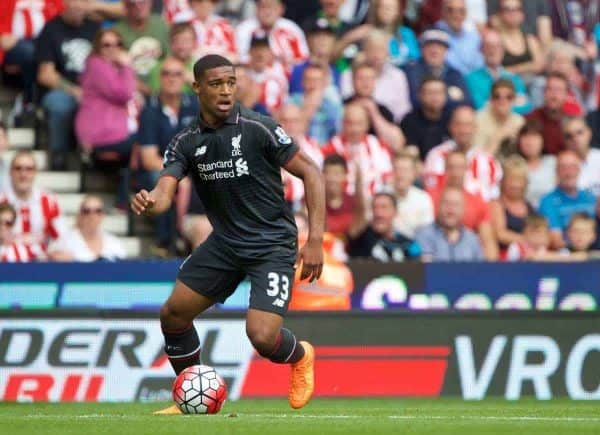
(199, 390)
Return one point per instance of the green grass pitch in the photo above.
(321, 416)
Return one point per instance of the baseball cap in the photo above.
(435, 35)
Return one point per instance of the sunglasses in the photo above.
(92, 210)
(572, 134)
(171, 73)
(7, 223)
(20, 168)
(509, 97)
(112, 44)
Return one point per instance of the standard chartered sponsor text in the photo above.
(205, 170)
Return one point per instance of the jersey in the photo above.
(21, 253)
(236, 170)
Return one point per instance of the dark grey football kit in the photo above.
(236, 170)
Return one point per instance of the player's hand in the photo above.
(311, 256)
(142, 201)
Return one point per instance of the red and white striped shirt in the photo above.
(273, 85)
(484, 170)
(215, 36)
(21, 253)
(26, 18)
(294, 186)
(177, 11)
(374, 158)
(286, 40)
(38, 218)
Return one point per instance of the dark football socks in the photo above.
(287, 350)
(182, 346)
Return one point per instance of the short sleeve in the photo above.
(45, 46)
(279, 147)
(550, 212)
(148, 131)
(175, 162)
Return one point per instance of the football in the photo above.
(199, 390)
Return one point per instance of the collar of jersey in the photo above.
(233, 118)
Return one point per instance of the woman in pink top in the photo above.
(106, 122)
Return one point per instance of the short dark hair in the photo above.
(430, 79)
(388, 195)
(335, 160)
(536, 221)
(178, 28)
(581, 216)
(6, 206)
(503, 83)
(559, 76)
(207, 62)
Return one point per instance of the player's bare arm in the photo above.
(156, 201)
(311, 255)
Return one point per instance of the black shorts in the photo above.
(215, 270)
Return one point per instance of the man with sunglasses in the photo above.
(162, 117)
(234, 157)
(38, 216)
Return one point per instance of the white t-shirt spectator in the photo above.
(414, 211)
(541, 180)
(74, 243)
(589, 178)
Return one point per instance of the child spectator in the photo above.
(535, 244)
(581, 234)
(12, 251)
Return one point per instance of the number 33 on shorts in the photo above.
(279, 288)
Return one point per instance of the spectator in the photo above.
(574, 22)
(566, 199)
(511, 209)
(476, 215)
(162, 117)
(535, 244)
(541, 168)
(332, 290)
(38, 214)
(12, 251)
(551, 114)
(578, 138)
(414, 207)
(593, 121)
(484, 169)
(247, 91)
(62, 48)
(426, 126)
(447, 239)
(481, 80)
(355, 144)
(581, 233)
(3, 164)
(387, 15)
(87, 242)
(17, 47)
(105, 11)
(537, 18)
(391, 87)
(177, 11)
(378, 239)
(463, 51)
(146, 38)
(107, 118)
(268, 73)
(214, 34)
(522, 52)
(330, 12)
(497, 125)
(425, 13)
(182, 44)
(293, 121)
(364, 80)
(321, 104)
(434, 46)
(285, 38)
(562, 61)
(321, 44)
(340, 205)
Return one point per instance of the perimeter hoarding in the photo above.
(110, 357)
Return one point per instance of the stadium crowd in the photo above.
(446, 130)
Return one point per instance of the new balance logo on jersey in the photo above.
(241, 167)
(200, 151)
(235, 143)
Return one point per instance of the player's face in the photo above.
(215, 91)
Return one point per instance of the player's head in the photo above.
(215, 86)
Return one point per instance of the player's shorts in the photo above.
(215, 270)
